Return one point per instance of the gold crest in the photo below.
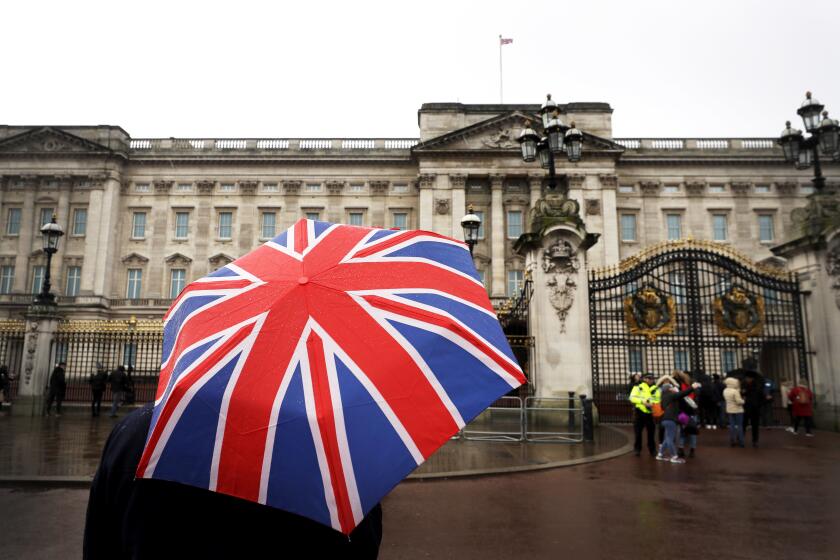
(649, 312)
(739, 313)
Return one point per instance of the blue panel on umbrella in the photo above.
(448, 255)
(470, 384)
(380, 459)
(485, 325)
(224, 271)
(189, 451)
(321, 227)
(381, 233)
(281, 239)
(295, 481)
(173, 324)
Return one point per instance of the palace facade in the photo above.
(144, 217)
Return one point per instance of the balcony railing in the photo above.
(268, 145)
(698, 144)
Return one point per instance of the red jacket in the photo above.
(802, 400)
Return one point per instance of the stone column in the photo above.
(108, 242)
(155, 283)
(28, 226)
(535, 183)
(378, 191)
(65, 219)
(458, 185)
(497, 236)
(609, 213)
(203, 228)
(816, 260)
(41, 326)
(556, 258)
(92, 240)
(426, 182)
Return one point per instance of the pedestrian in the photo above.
(708, 406)
(5, 385)
(752, 388)
(98, 382)
(56, 389)
(734, 406)
(117, 380)
(802, 400)
(785, 388)
(769, 388)
(720, 402)
(143, 519)
(689, 428)
(660, 431)
(671, 398)
(643, 397)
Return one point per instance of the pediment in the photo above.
(220, 259)
(177, 258)
(49, 140)
(500, 133)
(134, 258)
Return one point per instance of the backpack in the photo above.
(802, 397)
(657, 411)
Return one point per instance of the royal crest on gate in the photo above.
(649, 312)
(739, 313)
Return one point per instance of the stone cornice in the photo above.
(608, 181)
(378, 187)
(291, 188)
(457, 180)
(334, 188)
(649, 188)
(496, 181)
(695, 188)
(575, 180)
(163, 187)
(426, 180)
(786, 188)
(248, 188)
(741, 188)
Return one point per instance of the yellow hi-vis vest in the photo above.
(644, 392)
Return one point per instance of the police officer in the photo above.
(644, 396)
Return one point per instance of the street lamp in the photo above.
(51, 232)
(471, 224)
(557, 138)
(824, 137)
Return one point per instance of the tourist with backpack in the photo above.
(802, 399)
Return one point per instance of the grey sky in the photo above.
(362, 68)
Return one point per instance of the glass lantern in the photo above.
(555, 134)
(806, 159)
(548, 110)
(51, 232)
(574, 143)
(810, 112)
(791, 142)
(829, 135)
(528, 142)
(545, 154)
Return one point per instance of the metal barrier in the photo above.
(501, 421)
(553, 419)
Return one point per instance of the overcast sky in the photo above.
(362, 69)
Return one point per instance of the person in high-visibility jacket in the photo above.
(643, 397)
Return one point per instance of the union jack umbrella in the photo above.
(316, 372)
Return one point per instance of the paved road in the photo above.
(776, 502)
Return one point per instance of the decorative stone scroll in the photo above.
(458, 181)
(379, 187)
(426, 180)
(334, 188)
(739, 313)
(248, 188)
(741, 189)
(608, 181)
(206, 186)
(695, 188)
(561, 264)
(649, 188)
(787, 188)
(163, 187)
(291, 188)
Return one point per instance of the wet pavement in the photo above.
(779, 501)
(66, 449)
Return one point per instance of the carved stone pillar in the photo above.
(27, 234)
(609, 213)
(535, 183)
(378, 191)
(556, 259)
(426, 182)
(108, 243)
(41, 326)
(92, 235)
(497, 236)
(458, 183)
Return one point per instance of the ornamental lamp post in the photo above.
(51, 232)
(471, 224)
(824, 138)
(557, 138)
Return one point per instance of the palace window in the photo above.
(480, 215)
(135, 283)
(514, 224)
(357, 187)
(681, 359)
(515, 281)
(400, 220)
(673, 223)
(13, 222)
(671, 189)
(138, 225)
(268, 227)
(314, 216)
(74, 279)
(182, 225)
(184, 187)
(626, 189)
(227, 187)
(481, 275)
(46, 216)
(720, 227)
(270, 187)
(79, 221)
(400, 188)
(313, 187)
(141, 187)
(225, 230)
(7, 279)
(177, 281)
(806, 189)
(765, 227)
(762, 189)
(356, 218)
(37, 278)
(628, 227)
(717, 188)
(677, 286)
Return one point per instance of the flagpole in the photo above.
(501, 91)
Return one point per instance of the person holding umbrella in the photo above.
(309, 376)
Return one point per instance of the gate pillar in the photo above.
(816, 260)
(558, 316)
(41, 326)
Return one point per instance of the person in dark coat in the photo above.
(56, 389)
(142, 519)
(5, 384)
(752, 387)
(98, 382)
(720, 402)
(117, 379)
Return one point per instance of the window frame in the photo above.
(679, 217)
(518, 279)
(394, 214)
(725, 216)
(76, 213)
(134, 214)
(4, 278)
(621, 227)
(38, 273)
(76, 279)
(19, 212)
(263, 214)
(136, 283)
(772, 221)
(182, 281)
(508, 223)
(219, 225)
(186, 226)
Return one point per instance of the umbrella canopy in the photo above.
(316, 372)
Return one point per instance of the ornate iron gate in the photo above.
(690, 305)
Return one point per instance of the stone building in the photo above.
(144, 217)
